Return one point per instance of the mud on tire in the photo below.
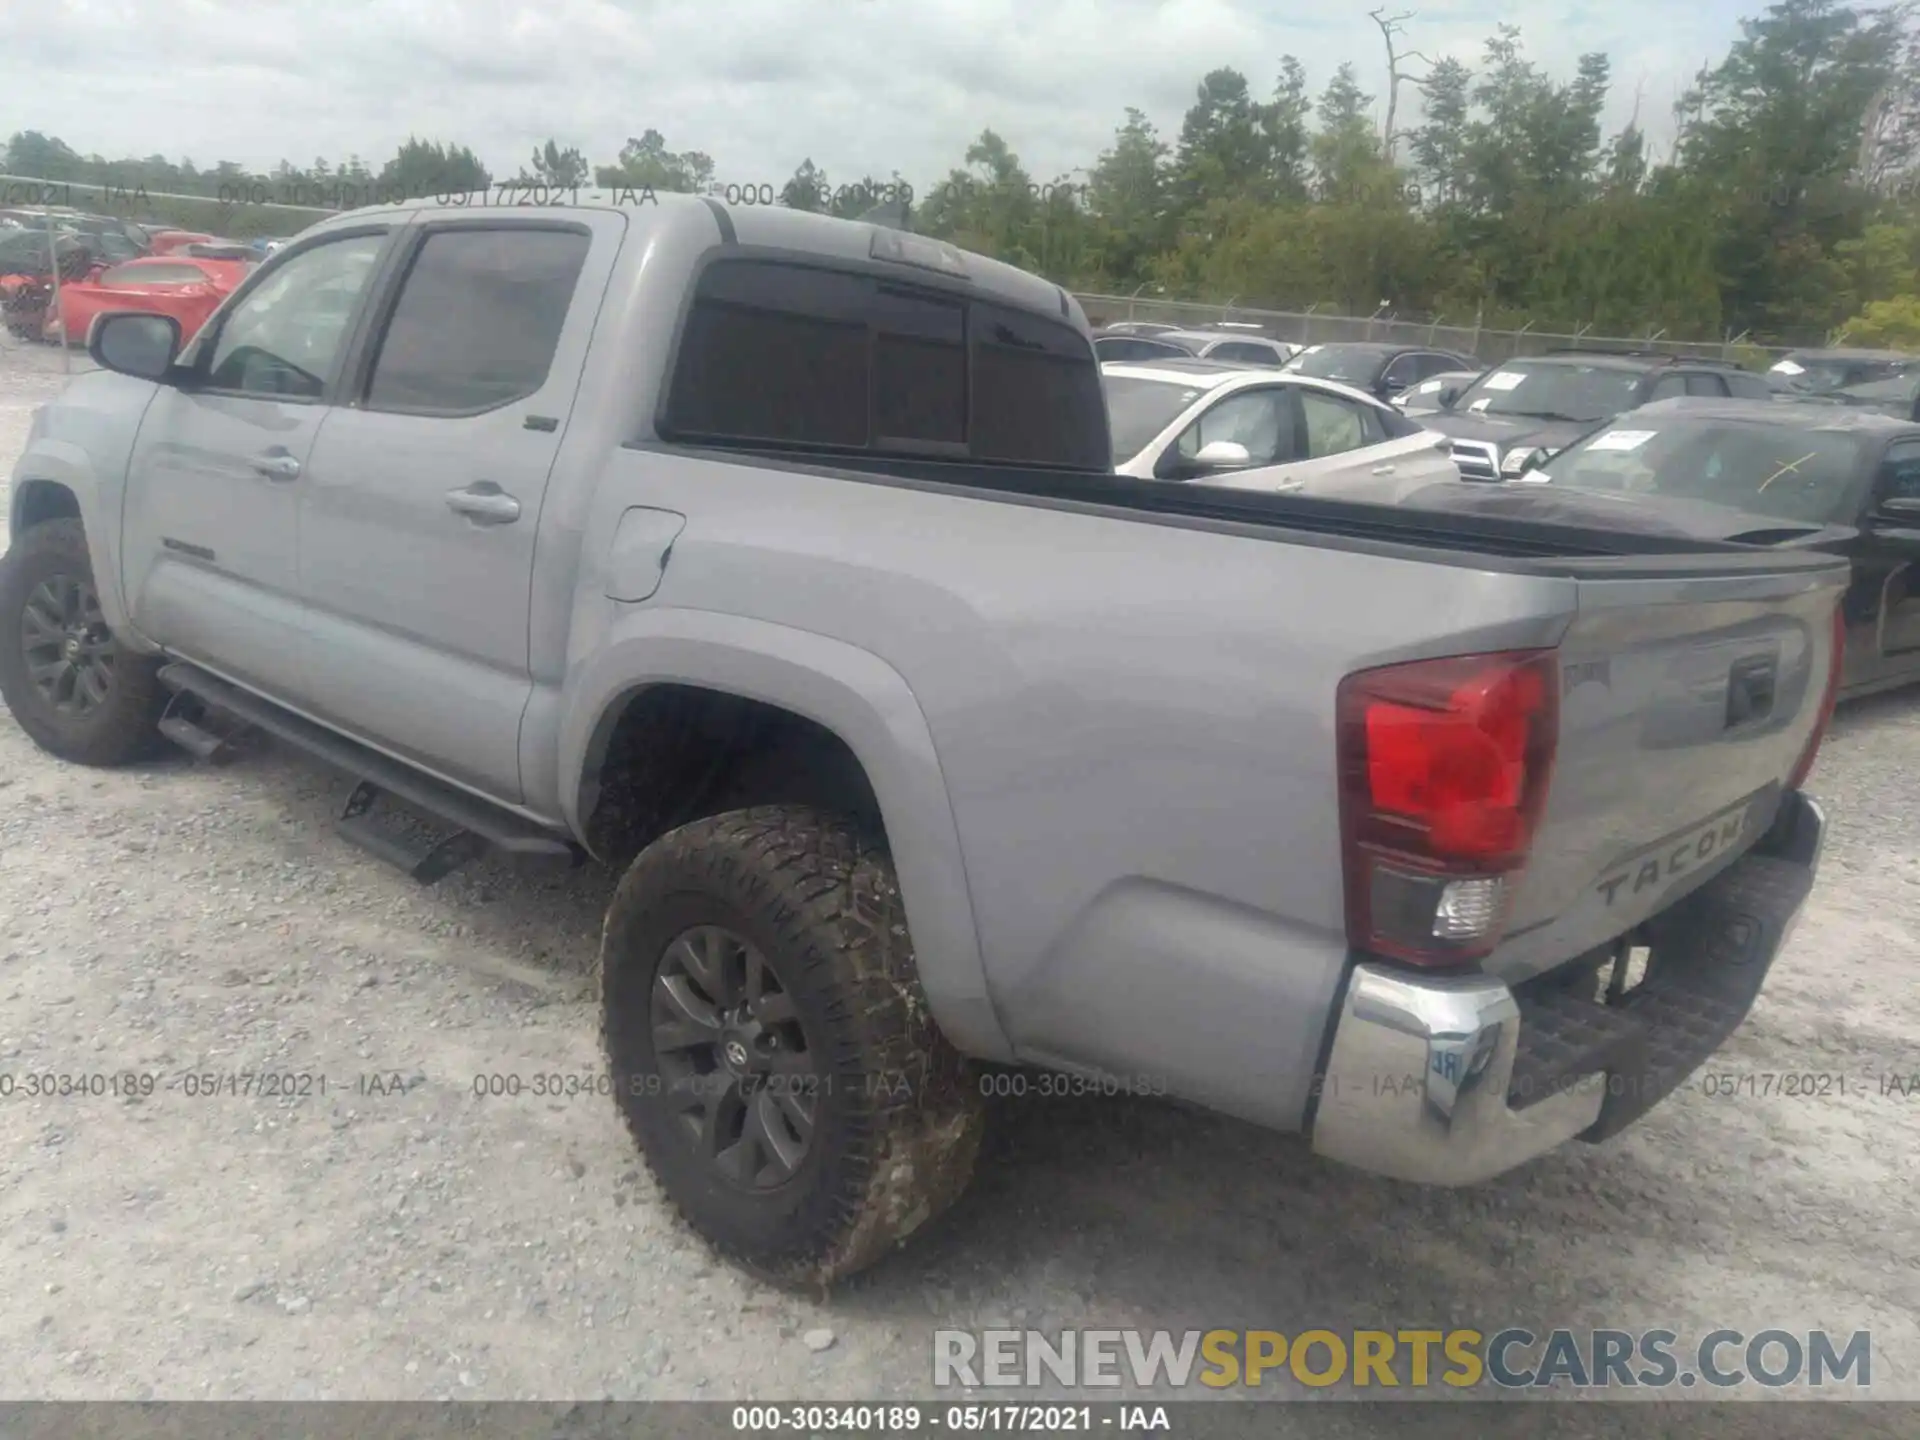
(896, 1117)
(48, 565)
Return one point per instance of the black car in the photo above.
(1519, 413)
(1898, 395)
(1383, 368)
(1757, 472)
(1823, 372)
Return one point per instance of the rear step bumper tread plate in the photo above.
(1709, 958)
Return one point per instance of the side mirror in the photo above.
(1450, 393)
(135, 344)
(1222, 455)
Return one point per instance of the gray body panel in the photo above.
(1102, 741)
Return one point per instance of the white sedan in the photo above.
(1247, 429)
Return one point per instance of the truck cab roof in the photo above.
(760, 227)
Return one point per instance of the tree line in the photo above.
(1787, 207)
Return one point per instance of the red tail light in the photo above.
(1444, 767)
(1827, 701)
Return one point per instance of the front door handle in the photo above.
(277, 465)
(485, 503)
(1383, 469)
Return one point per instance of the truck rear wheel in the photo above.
(770, 1047)
(75, 690)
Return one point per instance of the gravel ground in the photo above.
(400, 1238)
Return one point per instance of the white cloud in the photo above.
(857, 85)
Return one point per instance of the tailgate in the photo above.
(1685, 704)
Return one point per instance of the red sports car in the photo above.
(187, 288)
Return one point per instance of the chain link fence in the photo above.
(1319, 327)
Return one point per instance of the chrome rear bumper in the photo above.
(1449, 1080)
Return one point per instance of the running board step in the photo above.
(477, 823)
(212, 748)
(435, 862)
(197, 730)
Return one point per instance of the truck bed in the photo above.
(1507, 543)
(1130, 687)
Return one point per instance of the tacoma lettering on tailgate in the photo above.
(1667, 863)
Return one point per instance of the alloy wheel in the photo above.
(69, 651)
(734, 1057)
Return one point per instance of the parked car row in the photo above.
(1793, 473)
(1225, 343)
(1825, 372)
(107, 264)
(1642, 443)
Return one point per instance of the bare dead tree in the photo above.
(1890, 136)
(1392, 29)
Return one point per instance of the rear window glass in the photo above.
(1345, 364)
(1779, 471)
(796, 355)
(154, 275)
(1244, 350)
(1129, 347)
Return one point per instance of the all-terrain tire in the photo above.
(124, 726)
(899, 1116)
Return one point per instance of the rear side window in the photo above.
(1745, 385)
(1902, 472)
(775, 353)
(477, 321)
(1701, 383)
(781, 354)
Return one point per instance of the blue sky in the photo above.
(856, 85)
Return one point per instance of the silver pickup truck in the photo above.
(779, 561)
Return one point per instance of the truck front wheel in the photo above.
(770, 1047)
(74, 689)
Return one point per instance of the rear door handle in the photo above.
(277, 465)
(485, 503)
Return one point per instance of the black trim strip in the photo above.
(728, 235)
(199, 552)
